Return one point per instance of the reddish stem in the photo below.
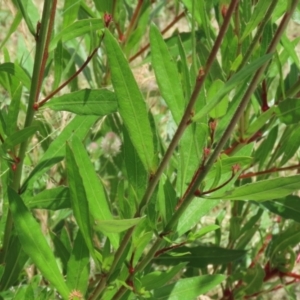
(272, 170)
(133, 20)
(261, 250)
(1, 139)
(41, 103)
(264, 96)
(161, 251)
(253, 138)
(199, 194)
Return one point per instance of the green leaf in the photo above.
(17, 71)
(288, 238)
(260, 122)
(185, 73)
(235, 80)
(19, 137)
(221, 108)
(29, 13)
(288, 207)
(136, 173)
(78, 269)
(291, 146)
(197, 11)
(76, 29)
(200, 256)
(197, 209)
(70, 12)
(79, 126)
(86, 102)
(168, 202)
(132, 106)
(116, 226)
(191, 150)
(14, 263)
(95, 194)
(265, 148)
(157, 279)
(188, 288)
(35, 244)
(288, 111)
(61, 251)
(290, 48)
(13, 111)
(52, 199)
(13, 27)
(104, 6)
(256, 17)
(253, 280)
(196, 235)
(79, 199)
(166, 74)
(58, 65)
(264, 190)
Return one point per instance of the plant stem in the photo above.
(38, 71)
(133, 20)
(272, 170)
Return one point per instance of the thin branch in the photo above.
(133, 20)
(41, 103)
(272, 170)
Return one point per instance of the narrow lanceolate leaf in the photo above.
(188, 288)
(132, 106)
(13, 264)
(157, 279)
(79, 199)
(166, 74)
(288, 207)
(76, 29)
(35, 244)
(115, 226)
(200, 256)
(232, 83)
(256, 17)
(17, 71)
(288, 238)
(96, 198)
(13, 111)
(78, 266)
(197, 209)
(52, 199)
(80, 126)
(264, 190)
(19, 137)
(288, 111)
(29, 13)
(86, 102)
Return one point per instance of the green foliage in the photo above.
(135, 166)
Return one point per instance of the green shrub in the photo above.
(149, 149)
